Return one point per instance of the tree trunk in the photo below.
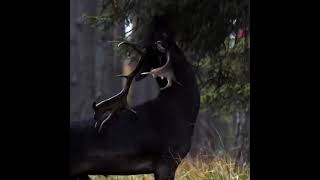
(242, 143)
(93, 64)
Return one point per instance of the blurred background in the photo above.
(215, 36)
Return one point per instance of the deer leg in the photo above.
(165, 172)
(81, 177)
(84, 177)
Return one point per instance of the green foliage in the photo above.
(225, 78)
(198, 26)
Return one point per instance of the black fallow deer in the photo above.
(150, 138)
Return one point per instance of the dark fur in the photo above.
(154, 141)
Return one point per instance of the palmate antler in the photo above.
(119, 102)
(164, 71)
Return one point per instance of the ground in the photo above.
(195, 169)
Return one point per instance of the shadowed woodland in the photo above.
(215, 37)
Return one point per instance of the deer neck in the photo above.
(184, 97)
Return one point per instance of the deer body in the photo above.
(152, 141)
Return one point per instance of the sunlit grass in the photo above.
(190, 169)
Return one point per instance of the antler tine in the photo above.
(131, 45)
(119, 102)
(164, 71)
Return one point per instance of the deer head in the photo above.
(154, 60)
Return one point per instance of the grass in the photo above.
(214, 169)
